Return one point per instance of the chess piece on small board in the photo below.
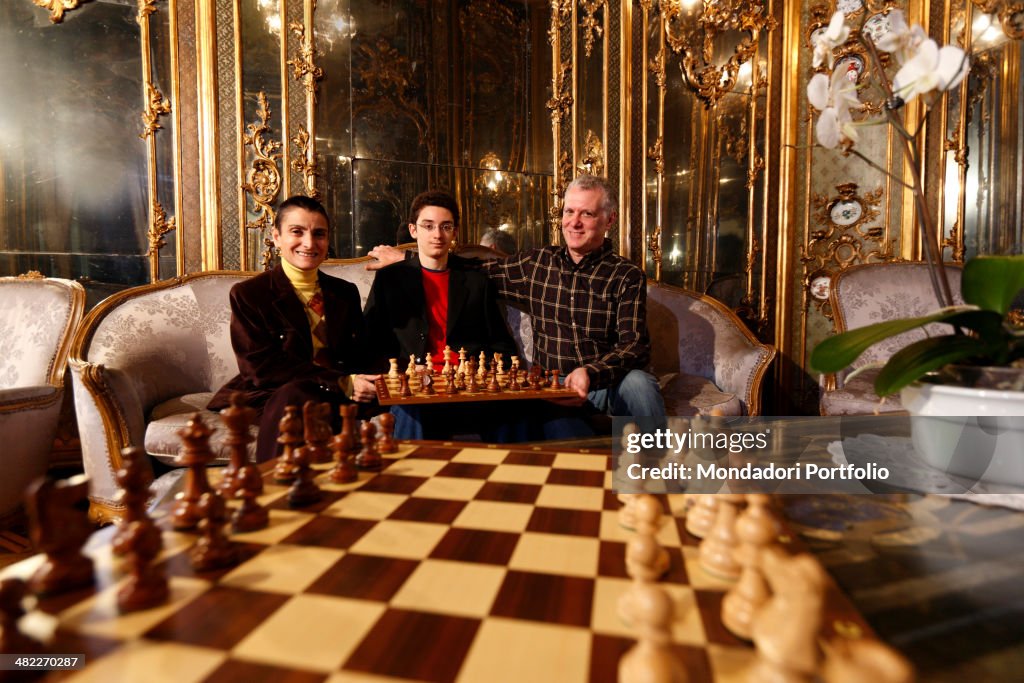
(12, 641)
(195, 454)
(290, 430)
(59, 527)
(303, 490)
(250, 515)
(652, 658)
(237, 418)
(134, 477)
(213, 550)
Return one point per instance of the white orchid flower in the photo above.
(833, 97)
(901, 40)
(931, 68)
(834, 36)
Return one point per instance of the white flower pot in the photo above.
(971, 432)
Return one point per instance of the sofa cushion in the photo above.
(858, 397)
(687, 395)
(162, 440)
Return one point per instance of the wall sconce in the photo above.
(704, 31)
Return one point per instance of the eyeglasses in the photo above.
(447, 228)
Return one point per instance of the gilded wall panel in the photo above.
(189, 225)
(227, 134)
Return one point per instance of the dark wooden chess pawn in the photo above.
(59, 522)
(12, 640)
(427, 383)
(546, 381)
(554, 379)
(134, 477)
(403, 387)
(369, 458)
(236, 418)
(513, 381)
(471, 385)
(147, 583)
(493, 387)
(343, 445)
(213, 550)
(195, 454)
(290, 437)
(316, 420)
(250, 515)
(450, 387)
(534, 379)
(304, 490)
(386, 441)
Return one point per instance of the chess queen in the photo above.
(298, 333)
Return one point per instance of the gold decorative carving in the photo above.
(305, 162)
(593, 155)
(156, 106)
(561, 12)
(32, 275)
(955, 243)
(591, 25)
(263, 179)
(57, 8)
(303, 67)
(656, 153)
(694, 33)
(656, 67)
(654, 245)
(562, 179)
(158, 227)
(146, 7)
(756, 168)
(561, 100)
(1010, 14)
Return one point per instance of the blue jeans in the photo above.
(638, 394)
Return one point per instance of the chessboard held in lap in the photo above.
(468, 379)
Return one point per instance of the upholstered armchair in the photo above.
(872, 293)
(38, 317)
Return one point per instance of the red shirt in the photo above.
(435, 291)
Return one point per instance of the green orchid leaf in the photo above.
(992, 282)
(914, 361)
(836, 353)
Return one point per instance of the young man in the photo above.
(433, 300)
(588, 306)
(298, 334)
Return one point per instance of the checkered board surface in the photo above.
(452, 564)
(389, 392)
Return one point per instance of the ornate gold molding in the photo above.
(159, 226)
(57, 8)
(146, 7)
(561, 13)
(560, 104)
(305, 162)
(263, 179)
(593, 155)
(591, 25)
(656, 153)
(156, 106)
(304, 69)
(31, 275)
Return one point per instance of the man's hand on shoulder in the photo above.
(385, 255)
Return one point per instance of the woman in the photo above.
(298, 334)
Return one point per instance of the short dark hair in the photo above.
(301, 201)
(434, 198)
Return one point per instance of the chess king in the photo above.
(432, 301)
(298, 333)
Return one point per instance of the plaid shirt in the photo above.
(591, 314)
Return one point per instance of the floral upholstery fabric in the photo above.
(689, 395)
(693, 336)
(162, 440)
(33, 320)
(857, 397)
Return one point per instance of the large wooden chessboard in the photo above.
(452, 564)
(389, 394)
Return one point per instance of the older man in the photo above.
(588, 306)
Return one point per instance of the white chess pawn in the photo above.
(651, 659)
(756, 529)
(717, 550)
(702, 515)
(627, 513)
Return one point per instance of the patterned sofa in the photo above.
(147, 358)
(37, 318)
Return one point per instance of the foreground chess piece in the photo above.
(304, 490)
(386, 441)
(785, 631)
(648, 516)
(59, 527)
(289, 430)
(701, 515)
(369, 458)
(343, 445)
(195, 454)
(651, 660)
(627, 513)
(250, 515)
(12, 640)
(213, 550)
(864, 660)
(236, 418)
(717, 550)
(646, 562)
(134, 477)
(147, 583)
(316, 424)
(756, 530)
